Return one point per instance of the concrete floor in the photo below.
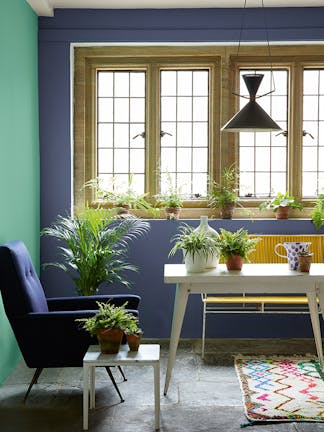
(204, 395)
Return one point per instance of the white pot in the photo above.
(212, 260)
(195, 263)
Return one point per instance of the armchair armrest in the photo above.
(89, 302)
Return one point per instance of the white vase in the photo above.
(195, 263)
(212, 260)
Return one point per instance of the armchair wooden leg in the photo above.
(114, 383)
(33, 381)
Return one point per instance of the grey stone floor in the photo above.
(204, 395)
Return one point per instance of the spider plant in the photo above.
(95, 247)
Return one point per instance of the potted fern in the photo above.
(170, 200)
(223, 195)
(133, 334)
(197, 246)
(317, 215)
(235, 247)
(108, 325)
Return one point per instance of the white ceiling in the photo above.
(46, 7)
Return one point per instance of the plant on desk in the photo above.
(235, 247)
(109, 324)
(197, 247)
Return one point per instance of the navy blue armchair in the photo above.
(45, 328)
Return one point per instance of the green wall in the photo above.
(19, 146)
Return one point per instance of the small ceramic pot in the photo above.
(134, 341)
(282, 212)
(172, 213)
(109, 340)
(304, 262)
(228, 211)
(195, 263)
(234, 262)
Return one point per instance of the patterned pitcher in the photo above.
(292, 250)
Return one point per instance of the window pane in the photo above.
(121, 117)
(105, 110)
(105, 135)
(185, 112)
(263, 155)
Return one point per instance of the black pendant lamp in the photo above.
(251, 118)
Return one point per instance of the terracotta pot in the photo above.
(234, 262)
(228, 211)
(123, 209)
(282, 212)
(134, 341)
(109, 340)
(304, 262)
(172, 213)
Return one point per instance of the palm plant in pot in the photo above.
(223, 195)
(108, 325)
(197, 247)
(235, 247)
(94, 247)
(281, 204)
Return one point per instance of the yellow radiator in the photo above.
(264, 252)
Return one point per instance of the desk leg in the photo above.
(85, 396)
(157, 394)
(92, 387)
(180, 303)
(313, 310)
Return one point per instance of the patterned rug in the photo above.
(281, 388)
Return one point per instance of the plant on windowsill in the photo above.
(108, 324)
(94, 247)
(281, 204)
(170, 200)
(317, 215)
(223, 195)
(123, 199)
(197, 246)
(235, 247)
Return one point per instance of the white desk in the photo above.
(147, 355)
(254, 278)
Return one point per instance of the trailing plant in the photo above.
(120, 196)
(280, 200)
(94, 247)
(171, 197)
(236, 243)
(194, 242)
(109, 317)
(317, 215)
(224, 193)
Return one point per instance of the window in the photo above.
(313, 133)
(184, 129)
(141, 112)
(121, 119)
(263, 155)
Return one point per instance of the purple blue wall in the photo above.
(185, 25)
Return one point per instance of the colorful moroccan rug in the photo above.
(281, 388)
